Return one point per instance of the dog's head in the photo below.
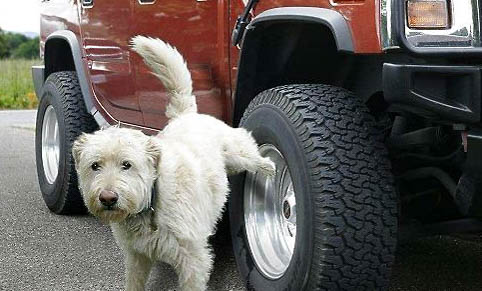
(116, 169)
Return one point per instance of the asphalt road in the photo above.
(43, 251)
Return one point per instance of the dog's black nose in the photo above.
(108, 198)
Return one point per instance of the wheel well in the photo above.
(58, 56)
(286, 52)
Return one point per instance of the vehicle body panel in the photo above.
(123, 88)
(361, 16)
(58, 15)
(193, 28)
(105, 30)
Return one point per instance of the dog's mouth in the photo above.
(111, 214)
(107, 213)
(109, 208)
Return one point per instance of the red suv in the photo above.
(370, 108)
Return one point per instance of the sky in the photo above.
(20, 15)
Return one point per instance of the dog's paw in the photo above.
(267, 167)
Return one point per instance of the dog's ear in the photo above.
(153, 150)
(78, 147)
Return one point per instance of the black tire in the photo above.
(62, 91)
(346, 203)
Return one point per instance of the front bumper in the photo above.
(447, 93)
(38, 77)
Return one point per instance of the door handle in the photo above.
(145, 2)
(87, 3)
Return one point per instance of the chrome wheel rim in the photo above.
(50, 144)
(270, 216)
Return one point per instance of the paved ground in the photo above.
(43, 251)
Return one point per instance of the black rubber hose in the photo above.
(399, 126)
(427, 172)
(432, 159)
(420, 137)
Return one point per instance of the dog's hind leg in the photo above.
(241, 154)
(138, 268)
(194, 266)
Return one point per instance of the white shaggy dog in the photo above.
(163, 195)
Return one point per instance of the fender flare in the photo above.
(331, 20)
(85, 86)
(71, 39)
(327, 17)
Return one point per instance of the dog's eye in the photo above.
(126, 165)
(95, 166)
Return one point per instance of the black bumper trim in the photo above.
(473, 163)
(439, 92)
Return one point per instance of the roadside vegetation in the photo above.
(17, 55)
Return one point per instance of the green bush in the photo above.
(27, 50)
(14, 40)
(4, 50)
(16, 85)
(17, 55)
(16, 45)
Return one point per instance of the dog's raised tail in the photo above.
(169, 66)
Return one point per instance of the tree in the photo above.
(27, 50)
(14, 40)
(17, 45)
(3, 45)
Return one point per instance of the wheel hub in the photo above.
(286, 210)
(270, 216)
(50, 144)
(289, 212)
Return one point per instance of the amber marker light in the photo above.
(427, 14)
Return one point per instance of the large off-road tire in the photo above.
(61, 118)
(328, 220)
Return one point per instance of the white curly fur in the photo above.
(190, 159)
(169, 66)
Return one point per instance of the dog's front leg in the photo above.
(138, 268)
(194, 267)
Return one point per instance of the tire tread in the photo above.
(77, 120)
(353, 195)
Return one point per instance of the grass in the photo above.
(16, 85)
